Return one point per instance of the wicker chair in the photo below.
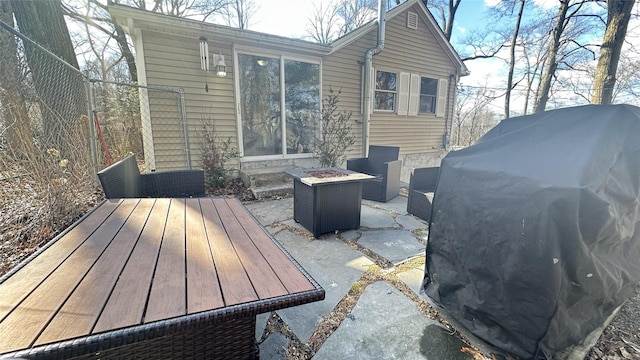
(123, 180)
(382, 163)
(422, 187)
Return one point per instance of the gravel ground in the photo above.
(621, 339)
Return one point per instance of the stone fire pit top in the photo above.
(316, 176)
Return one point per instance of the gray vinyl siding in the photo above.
(174, 62)
(405, 50)
(342, 71)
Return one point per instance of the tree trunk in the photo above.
(453, 8)
(121, 39)
(552, 64)
(14, 113)
(60, 89)
(619, 13)
(512, 62)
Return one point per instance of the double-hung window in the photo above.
(386, 91)
(428, 95)
(409, 94)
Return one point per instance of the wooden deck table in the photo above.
(151, 278)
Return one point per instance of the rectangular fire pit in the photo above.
(327, 199)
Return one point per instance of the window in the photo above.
(386, 91)
(428, 95)
(302, 104)
(266, 104)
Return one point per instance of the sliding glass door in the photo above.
(278, 95)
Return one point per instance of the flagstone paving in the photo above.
(384, 323)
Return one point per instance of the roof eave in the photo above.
(371, 25)
(194, 29)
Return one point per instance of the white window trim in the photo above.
(375, 90)
(282, 56)
(436, 95)
(408, 93)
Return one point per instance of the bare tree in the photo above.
(99, 27)
(618, 15)
(93, 15)
(486, 44)
(564, 48)
(551, 63)
(196, 9)
(533, 57)
(58, 87)
(322, 27)
(627, 86)
(446, 9)
(473, 117)
(512, 60)
(354, 13)
(238, 13)
(332, 20)
(626, 89)
(14, 117)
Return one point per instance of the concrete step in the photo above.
(267, 182)
(265, 176)
(270, 191)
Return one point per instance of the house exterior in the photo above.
(397, 80)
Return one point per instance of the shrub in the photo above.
(335, 137)
(216, 153)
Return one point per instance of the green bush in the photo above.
(216, 153)
(335, 137)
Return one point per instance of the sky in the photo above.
(270, 18)
(269, 15)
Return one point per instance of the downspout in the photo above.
(368, 62)
(446, 140)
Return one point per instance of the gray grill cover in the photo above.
(534, 239)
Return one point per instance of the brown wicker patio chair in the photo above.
(123, 180)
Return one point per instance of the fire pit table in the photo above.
(327, 199)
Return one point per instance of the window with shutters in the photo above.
(386, 91)
(428, 95)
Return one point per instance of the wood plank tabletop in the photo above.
(133, 262)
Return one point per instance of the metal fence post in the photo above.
(92, 130)
(185, 126)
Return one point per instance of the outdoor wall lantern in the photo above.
(220, 65)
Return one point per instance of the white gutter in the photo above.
(368, 62)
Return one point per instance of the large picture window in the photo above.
(428, 95)
(386, 91)
(260, 104)
(302, 104)
(279, 101)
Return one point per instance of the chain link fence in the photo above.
(147, 121)
(58, 128)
